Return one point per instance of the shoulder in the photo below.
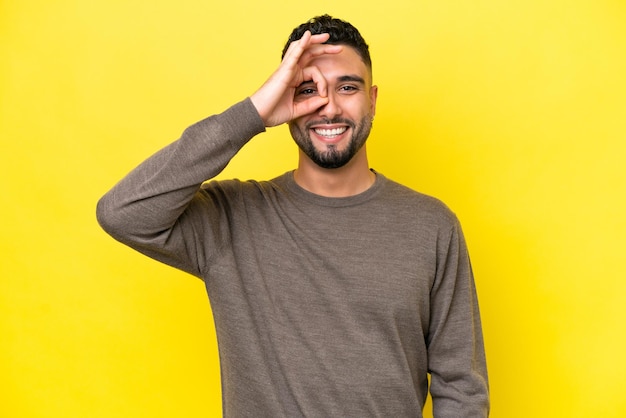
(243, 190)
(403, 198)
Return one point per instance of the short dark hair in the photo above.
(341, 33)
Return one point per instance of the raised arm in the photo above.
(145, 209)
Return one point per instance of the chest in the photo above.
(342, 264)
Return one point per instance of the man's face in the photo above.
(334, 133)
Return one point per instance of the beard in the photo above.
(331, 157)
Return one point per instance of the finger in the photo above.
(317, 50)
(314, 74)
(308, 39)
(314, 102)
(311, 46)
(319, 38)
(295, 49)
(308, 106)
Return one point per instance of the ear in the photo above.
(373, 96)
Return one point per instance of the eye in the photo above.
(309, 91)
(348, 88)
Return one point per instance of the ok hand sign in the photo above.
(275, 99)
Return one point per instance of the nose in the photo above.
(332, 108)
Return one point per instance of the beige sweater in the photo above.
(323, 307)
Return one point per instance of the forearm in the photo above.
(456, 355)
(459, 383)
(143, 208)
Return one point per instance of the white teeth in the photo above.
(329, 133)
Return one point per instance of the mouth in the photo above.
(330, 133)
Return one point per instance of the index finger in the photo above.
(314, 51)
(309, 46)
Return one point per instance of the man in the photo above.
(335, 291)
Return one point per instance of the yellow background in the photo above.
(512, 112)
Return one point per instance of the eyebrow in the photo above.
(350, 77)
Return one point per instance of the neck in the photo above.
(353, 178)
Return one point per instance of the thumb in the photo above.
(309, 106)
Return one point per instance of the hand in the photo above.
(275, 99)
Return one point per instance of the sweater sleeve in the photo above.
(456, 356)
(159, 208)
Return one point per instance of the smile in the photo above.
(330, 133)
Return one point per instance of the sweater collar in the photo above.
(288, 182)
